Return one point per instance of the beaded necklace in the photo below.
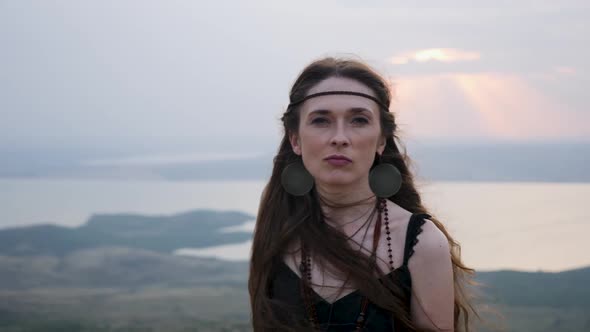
(305, 268)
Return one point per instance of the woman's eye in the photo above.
(362, 120)
(319, 120)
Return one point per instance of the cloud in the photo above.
(564, 70)
(435, 54)
(493, 105)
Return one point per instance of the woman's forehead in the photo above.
(339, 104)
(340, 84)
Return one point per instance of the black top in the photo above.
(341, 315)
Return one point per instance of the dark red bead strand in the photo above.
(361, 318)
(305, 268)
(313, 310)
(388, 233)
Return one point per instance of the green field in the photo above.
(200, 309)
(116, 273)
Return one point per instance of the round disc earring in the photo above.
(295, 179)
(385, 179)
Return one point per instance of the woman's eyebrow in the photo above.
(353, 110)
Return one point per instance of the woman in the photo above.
(340, 219)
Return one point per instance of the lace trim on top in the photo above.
(414, 229)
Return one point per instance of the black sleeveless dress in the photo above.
(341, 315)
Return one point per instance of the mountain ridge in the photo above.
(162, 233)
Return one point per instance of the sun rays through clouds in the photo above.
(490, 104)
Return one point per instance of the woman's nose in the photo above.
(340, 135)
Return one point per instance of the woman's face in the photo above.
(343, 125)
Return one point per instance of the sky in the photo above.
(212, 77)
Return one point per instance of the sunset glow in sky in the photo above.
(435, 54)
(495, 104)
(211, 74)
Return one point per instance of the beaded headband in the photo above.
(354, 93)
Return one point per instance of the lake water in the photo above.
(524, 226)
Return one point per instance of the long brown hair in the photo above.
(282, 218)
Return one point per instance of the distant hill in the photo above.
(127, 268)
(108, 289)
(117, 267)
(523, 162)
(117, 273)
(130, 250)
(560, 289)
(162, 234)
(526, 162)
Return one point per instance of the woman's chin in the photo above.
(334, 181)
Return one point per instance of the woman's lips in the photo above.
(338, 161)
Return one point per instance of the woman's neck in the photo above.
(344, 206)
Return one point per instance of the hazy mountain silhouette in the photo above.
(162, 234)
(536, 162)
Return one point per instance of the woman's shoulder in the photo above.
(401, 218)
(425, 237)
(432, 277)
(431, 240)
(398, 217)
(431, 250)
